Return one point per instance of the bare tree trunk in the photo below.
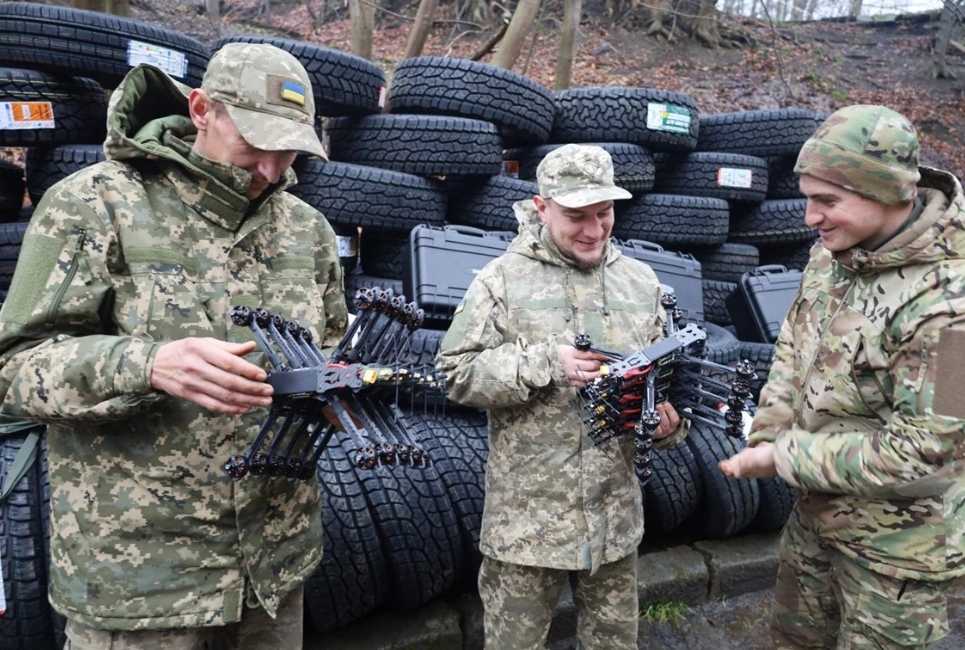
(421, 28)
(572, 12)
(855, 8)
(519, 26)
(213, 9)
(362, 14)
(116, 7)
(797, 11)
(809, 13)
(946, 26)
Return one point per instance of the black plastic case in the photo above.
(444, 260)
(761, 302)
(678, 270)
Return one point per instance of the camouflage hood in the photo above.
(532, 241)
(937, 234)
(147, 118)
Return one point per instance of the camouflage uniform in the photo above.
(555, 503)
(864, 406)
(153, 245)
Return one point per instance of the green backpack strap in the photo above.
(26, 455)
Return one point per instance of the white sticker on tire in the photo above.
(26, 115)
(171, 61)
(347, 246)
(731, 177)
(3, 593)
(381, 96)
(667, 117)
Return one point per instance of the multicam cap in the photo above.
(268, 95)
(870, 150)
(576, 175)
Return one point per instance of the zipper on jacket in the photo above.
(807, 375)
(69, 278)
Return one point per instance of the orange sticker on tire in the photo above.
(26, 115)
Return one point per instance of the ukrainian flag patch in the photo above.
(294, 92)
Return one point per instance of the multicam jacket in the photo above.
(153, 245)
(865, 398)
(552, 498)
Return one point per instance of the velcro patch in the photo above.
(293, 92)
(950, 378)
(284, 91)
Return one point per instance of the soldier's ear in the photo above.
(200, 108)
(540, 203)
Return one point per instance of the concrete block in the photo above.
(677, 574)
(432, 627)
(740, 565)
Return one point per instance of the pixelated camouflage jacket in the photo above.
(552, 498)
(153, 245)
(865, 398)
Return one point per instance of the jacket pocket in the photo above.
(165, 305)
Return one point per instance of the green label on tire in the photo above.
(667, 117)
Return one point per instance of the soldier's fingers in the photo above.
(223, 356)
(589, 356)
(255, 392)
(200, 389)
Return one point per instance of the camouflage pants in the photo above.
(256, 631)
(518, 604)
(824, 599)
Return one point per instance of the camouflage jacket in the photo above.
(864, 400)
(153, 245)
(552, 498)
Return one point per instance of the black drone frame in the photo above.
(624, 399)
(315, 396)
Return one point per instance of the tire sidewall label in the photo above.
(170, 61)
(733, 177)
(15, 116)
(668, 117)
(348, 246)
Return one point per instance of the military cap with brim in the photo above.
(268, 96)
(577, 175)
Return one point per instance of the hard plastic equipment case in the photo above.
(678, 270)
(761, 301)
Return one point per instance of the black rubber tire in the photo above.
(49, 165)
(29, 622)
(79, 107)
(356, 281)
(727, 262)
(457, 441)
(352, 579)
(782, 182)
(384, 255)
(87, 43)
(342, 83)
(12, 187)
(353, 195)
(727, 505)
(633, 165)
(703, 173)
(772, 222)
(427, 145)
(721, 346)
(11, 236)
(615, 114)
(761, 355)
(758, 133)
(488, 203)
(795, 256)
(419, 531)
(12, 233)
(672, 494)
(673, 221)
(777, 502)
(715, 293)
(520, 107)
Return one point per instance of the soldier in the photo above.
(555, 504)
(863, 410)
(116, 334)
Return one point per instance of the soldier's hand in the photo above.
(211, 373)
(580, 367)
(669, 420)
(752, 462)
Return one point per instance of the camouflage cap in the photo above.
(268, 95)
(576, 175)
(870, 150)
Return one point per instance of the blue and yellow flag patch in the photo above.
(293, 91)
